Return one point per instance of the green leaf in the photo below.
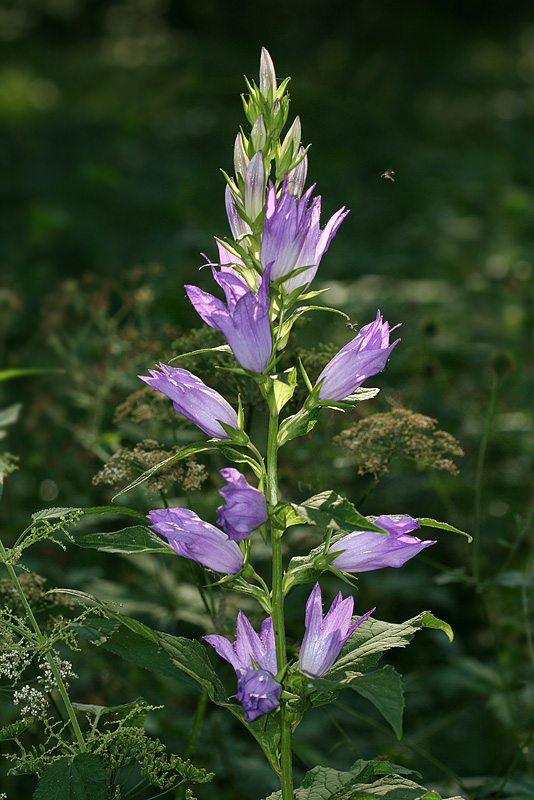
(55, 513)
(82, 777)
(383, 688)
(297, 425)
(222, 348)
(426, 522)
(284, 516)
(239, 457)
(196, 447)
(330, 510)
(284, 384)
(7, 374)
(137, 539)
(430, 621)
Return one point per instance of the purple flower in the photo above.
(244, 319)
(190, 536)
(245, 509)
(369, 550)
(259, 693)
(324, 638)
(292, 237)
(192, 398)
(361, 358)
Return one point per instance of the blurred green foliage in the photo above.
(115, 118)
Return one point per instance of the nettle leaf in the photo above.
(284, 384)
(137, 539)
(299, 424)
(382, 687)
(82, 777)
(330, 510)
(324, 783)
(374, 637)
(426, 522)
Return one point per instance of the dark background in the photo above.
(115, 120)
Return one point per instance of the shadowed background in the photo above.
(115, 120)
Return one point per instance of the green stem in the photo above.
(286, 771)
(42, 639)
(479, 478)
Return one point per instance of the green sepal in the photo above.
(350, 402)
(329, 510)
(239, 457)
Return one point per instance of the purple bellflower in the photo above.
(292, 237)
(191, 397)
(245, 509)
(364, 356)
(368, 550)
(253, 657)
(244, 319)
(324, 638)
(190, 536)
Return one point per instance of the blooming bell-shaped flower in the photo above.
(292, 237)
(364, 356)
(244, 319)
(190, 536)
(369, 550)
(245, 509)
(253, 657)
(191, 397)
(324, 638)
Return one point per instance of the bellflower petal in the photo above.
(245, 509)
(190, 536)
(258, 691)
(244, 320)
(364, 356)
(292, 237)
(191, 397)
(369, 550)
(324, 638)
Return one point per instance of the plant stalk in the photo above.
(286, 769)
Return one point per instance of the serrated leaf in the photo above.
(82, 777)
(426, 522)
(330, 510)
(137, 539)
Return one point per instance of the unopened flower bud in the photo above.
(258, 134)
(254, 186)
(267, 74)
(241, 160)
(296, 178)
(291, 143)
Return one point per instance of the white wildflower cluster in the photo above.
(36, 701)
(13, 663)
(48, 679)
